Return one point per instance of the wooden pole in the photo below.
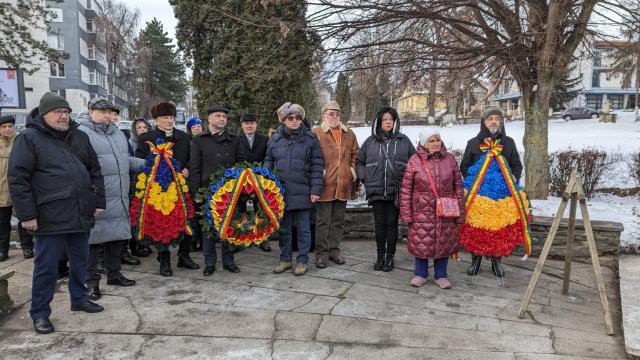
(547, 246)
(568, 255)
(595, 261)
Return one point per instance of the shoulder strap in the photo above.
(69, 148)
(426, 170)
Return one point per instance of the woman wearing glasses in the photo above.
(294, 152)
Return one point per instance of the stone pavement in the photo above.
(341, 312)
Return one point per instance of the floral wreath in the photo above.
(226, 209)
(162, 207)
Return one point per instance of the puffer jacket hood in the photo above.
(485, 133)
(84, 119)
(376, 126)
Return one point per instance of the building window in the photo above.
(55, 41)
(616, 102)
(54, 15)
(90, 28)
(89, 4)
(595, 79)
(92, 76)
(597, 58)
(56, 69)
(594, 102)
(61, 92)
(91, 52)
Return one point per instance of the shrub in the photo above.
(591, 163)
(634, 167)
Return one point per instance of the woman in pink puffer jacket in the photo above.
(430, 236)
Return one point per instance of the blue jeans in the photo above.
(209, 251)
(49, 249)
(439, 267)
(301, 220)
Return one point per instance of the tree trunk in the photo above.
(432, 97)
(536, 141)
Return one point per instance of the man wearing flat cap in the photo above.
(254, 147)
(164, 114)
(7, 135)
(215, 148)
(339, 149)
(57, 190)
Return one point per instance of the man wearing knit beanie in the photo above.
(57, 189)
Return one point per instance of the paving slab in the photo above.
(341, 312)
(629, 267)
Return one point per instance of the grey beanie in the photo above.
(51, 101)
(492, 111)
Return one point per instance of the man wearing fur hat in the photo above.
(294, 152)
(339, 149)
(164, 114)
(214, 149)
(57, 190)
(491, 132)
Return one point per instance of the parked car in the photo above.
(124, 124)
(580, 113)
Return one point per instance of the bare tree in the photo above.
(534, 40)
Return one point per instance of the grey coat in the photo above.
(111, 147)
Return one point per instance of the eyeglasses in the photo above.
(293, 118)
(61, 112)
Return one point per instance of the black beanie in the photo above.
(7, 119)
(51, 101)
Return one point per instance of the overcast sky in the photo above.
(160, 9)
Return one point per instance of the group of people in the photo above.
(69, 184)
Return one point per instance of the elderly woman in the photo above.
(432, 172)
(380, 165)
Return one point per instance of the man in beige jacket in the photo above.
(7, 134)
(339, 149)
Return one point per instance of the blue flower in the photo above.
(159, 141)
(228, 173)
(494, 185)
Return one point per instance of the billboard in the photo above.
(11, 89)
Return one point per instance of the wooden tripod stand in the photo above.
(575, 193)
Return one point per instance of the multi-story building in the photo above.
(83, 74)
(599, 88)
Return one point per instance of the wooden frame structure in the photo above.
(574, 193)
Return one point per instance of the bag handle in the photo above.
(426, 170)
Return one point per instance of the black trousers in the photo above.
(5, 228)
(183, 249)
(112, 261)
(385, 216)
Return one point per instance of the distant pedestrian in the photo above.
(57, 190)
(7, 135)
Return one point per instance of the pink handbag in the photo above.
(445, 207)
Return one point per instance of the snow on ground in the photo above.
(622, 137)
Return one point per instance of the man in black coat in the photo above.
(164, 114)
(254, 147)
(215, 148)
(57, 190)
(492, 127)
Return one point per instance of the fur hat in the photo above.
(163, 108)
(7, 119)
(428, 134)
(492, 111)
(290, 109)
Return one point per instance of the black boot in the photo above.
(165, 263)
(474, 269)
(379, 262)
(388, 263)
(496, 267)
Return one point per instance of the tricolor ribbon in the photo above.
(494, 151)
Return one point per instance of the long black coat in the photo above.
(179, 138)
(56, 181)
(472, 152)
(299, 165)
(210, 153)
(371, 166)
(258, 151)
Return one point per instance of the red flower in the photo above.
(229, 231)
(248, 188)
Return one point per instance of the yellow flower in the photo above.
(489, 214)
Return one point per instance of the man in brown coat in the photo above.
(339, 149)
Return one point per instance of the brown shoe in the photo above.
(321, 263)
(337, 259)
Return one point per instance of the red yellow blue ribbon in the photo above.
(494, 151)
